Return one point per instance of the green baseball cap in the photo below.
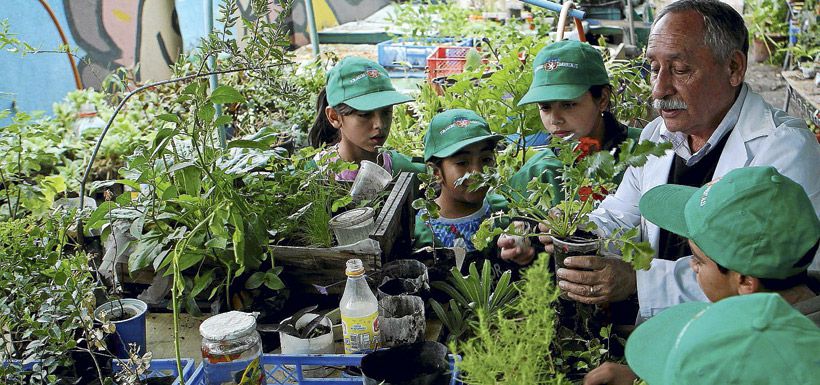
(746, 339)
(361, 84)
(564, 70)
(452, 130)
(754, 220)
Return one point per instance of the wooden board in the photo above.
(396, 221)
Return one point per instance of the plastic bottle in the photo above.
(87, 119)
(360, 312)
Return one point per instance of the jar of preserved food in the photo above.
(230, 345)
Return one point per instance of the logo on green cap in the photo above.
(368, 72)
(554, 64)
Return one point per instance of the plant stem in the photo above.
(6, 187)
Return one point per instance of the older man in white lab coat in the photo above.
(697, 52)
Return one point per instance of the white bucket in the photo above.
(353, 226)
(322, 344)
(370, 181)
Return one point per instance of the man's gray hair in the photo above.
(724, 29)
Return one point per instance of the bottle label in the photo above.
(361, 335)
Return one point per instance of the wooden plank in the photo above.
(395, 222)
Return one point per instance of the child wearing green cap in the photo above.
(750, 339)
(754, 230)
(458, 142)
(353, 117)
(571, 87)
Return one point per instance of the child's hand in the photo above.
(521, 254)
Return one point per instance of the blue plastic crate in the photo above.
(158, 368)
(413, 51)
(277, 374)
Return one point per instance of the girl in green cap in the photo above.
(571, 87)
(458, 142)
(353, 117)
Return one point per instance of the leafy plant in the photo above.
(47, 301)
(524, 343)
(472, 295)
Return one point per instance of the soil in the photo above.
(123, 315)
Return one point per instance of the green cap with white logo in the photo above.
(745, 339)
(452, 130)
(754, 220)
(564, 70)
(361, 84)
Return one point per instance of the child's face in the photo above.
(714, 283)
(573, 119)
(365, 130)
(472, 158)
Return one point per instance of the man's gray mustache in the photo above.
(669, 104)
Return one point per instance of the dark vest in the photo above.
(672, 246)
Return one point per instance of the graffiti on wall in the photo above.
(123, 33)
(145, 35)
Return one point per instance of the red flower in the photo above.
(587, 146)
(585, 192)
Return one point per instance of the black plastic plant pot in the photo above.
(421, 363)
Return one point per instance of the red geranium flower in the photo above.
(585, 192)
(587, 146)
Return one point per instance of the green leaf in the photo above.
(243, 143)
(206, 112)
(226, 94)
(189, 259)
(255, 280)
(170, 118)
(201, 282)
(223, 120)
(98, 217)
(273, 282)
(239, 246)
(217, 243)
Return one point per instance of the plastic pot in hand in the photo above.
(402, 320)
(370, 181)
(420, 363)
(573, 246)
(353, 226)
(128, 316)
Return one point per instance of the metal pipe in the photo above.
(555, 8)
(311, 21)
(213, 81)
(77, 80)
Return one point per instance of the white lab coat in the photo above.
(763, 135)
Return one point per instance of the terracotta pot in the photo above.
(762, 49)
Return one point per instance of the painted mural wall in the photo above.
(110, 34)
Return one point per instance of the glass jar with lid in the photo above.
(230, 343)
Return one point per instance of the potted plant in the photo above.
(585, 177)
(806, 57)
(766, 21)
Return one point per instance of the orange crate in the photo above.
(445, 61)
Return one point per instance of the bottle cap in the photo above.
(355, 268)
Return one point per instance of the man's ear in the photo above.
(748, 284)
(737, 68)
(333, 117)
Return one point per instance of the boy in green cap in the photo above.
(754, 230)
(571, 87)
(458, 142)
(353, 117)
(752, 339)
